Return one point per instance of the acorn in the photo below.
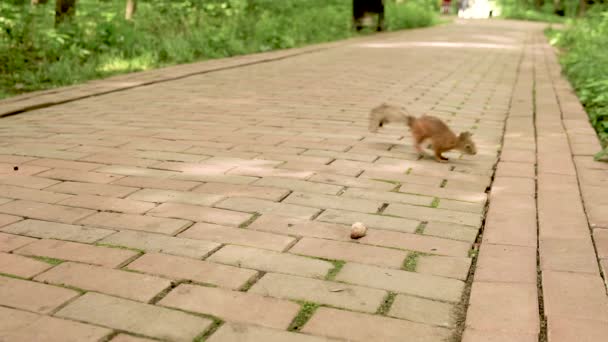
(357, 230)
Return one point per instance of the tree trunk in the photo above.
(131, 8)
(582, 7)
(39, 2)
(64, 9)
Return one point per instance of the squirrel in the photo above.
(422, 128)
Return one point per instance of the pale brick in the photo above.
(169, 156)
(299, 227)
(319, 291)
(200, 214)
(270, 261)
(135, 171)
(239, 332)
(44, 211)
(476, 208)
(136, 222)
(510, 307)
(52, 230)
(108, 204)
(9, 242)
(269, 172)
(232, 305)
(119, 283)
(253, 205)
(370, 220)
(150, 242)
(450, 267)
(78, 188)
(237, 236)
(393, 178)
(216, 178)
(472, 335)
(161, 196)
(299, 185)
(504, 263)
(451, 231)
(570, 255)
(21, 266)
(31, 296)
(129, 338)
(388, 197)
(574, 295)
(423, 310)
(350, 252)
(79, 176)
(416, 242)
(23, 170)
(16, 325)
(191, 269)
(73, 251)
(333, 202)
(30, 182)
(433, 214)
(145, 319)
(241, 190)
(416, 284)
(46, 196)
(565, 329)
(65, 164)
(453, 194)
(8, 219)
(354, 326)
(351, 182)
(155, 183)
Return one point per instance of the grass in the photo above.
(386, 304)
(98, 42)
(306, 311)
(584, 58)
(411, 261)
(338, 264)
(435, 202)
(51, 261)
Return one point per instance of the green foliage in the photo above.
(99, 42)
(584, 58)
(531, 10)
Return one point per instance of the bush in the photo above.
(98, 42)
(584, 58)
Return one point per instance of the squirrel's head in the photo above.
(466, 144)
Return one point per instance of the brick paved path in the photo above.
(217, 205)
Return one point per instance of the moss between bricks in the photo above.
(386, 304)
(306, 311)
(250, 221)
(338, 264)
(217, 323)
(48, 260)
(410, 262)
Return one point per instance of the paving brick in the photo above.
(21, 266)
(416, 284)
(319, 291)
(504, 263)
(433, 214)
(108, 204)
(237, 236)
(270, 261)
(453, 194)
(9, 242)
(155, 183)
(79, 188)
(30, 182)
(129, 338)
(169, 156)
(264, 311)
(423, 310)
(136, 222)
(179, 268)
(511, 220)
(370, 220)
(135, 171)
(416, 242)
(144, 319)
(354, 326)
(150, 242)
(240, 190)
(525, 186)
(12, 159)
(200, 214)
(119, 283)
(564, 329)
(65, 164)
(299, 185)
(574, 295)
(388, 197)
(238, 332)
(161, 196)
(45, 196)
(73, 251)
(44, 211)
(515, 169)
(52, 230)
(253, 205)
(8, 219)
(600, 237)
(300, 227)
(336, 250)
(450, 267)
(520, 156)
(31, 296)
(16, 325)
(333, 202)
(472, 335)
(476, 208)
(568, 255)
(342, 155)
(79, 176)
(508, 307)
(401, 177)
(351, 182)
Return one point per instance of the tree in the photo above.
(131, 8)
(64, 9)
(39, 2)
